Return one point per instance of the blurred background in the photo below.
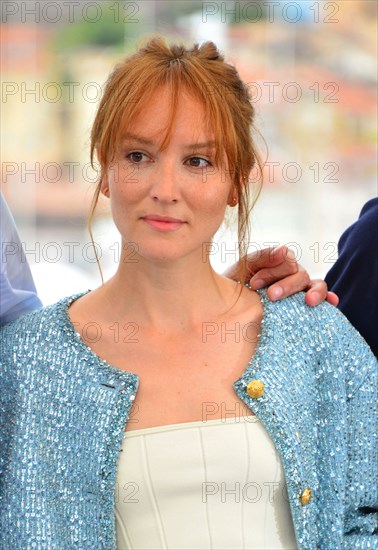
(311, 68)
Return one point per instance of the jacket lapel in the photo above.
(287, 409)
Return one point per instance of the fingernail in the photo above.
(277, 292)
(258, 283)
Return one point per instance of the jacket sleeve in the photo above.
(361, 492)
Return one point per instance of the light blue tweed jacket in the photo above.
(63, 411)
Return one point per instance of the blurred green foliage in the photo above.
(82, 33)
(113, 25)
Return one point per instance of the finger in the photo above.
(268, 276)
(266, 259)
(316, 293)
(288, 286)
(332, 298)
(270, 257)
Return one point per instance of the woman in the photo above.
(139, 375)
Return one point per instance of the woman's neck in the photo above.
(166, 296)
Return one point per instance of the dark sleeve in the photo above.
(354, 276)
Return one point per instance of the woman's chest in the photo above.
(184, 380)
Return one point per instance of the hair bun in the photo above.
(208, 50)
(177, 50)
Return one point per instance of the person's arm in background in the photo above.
(18, 294)
(353, 279)
(354, 276)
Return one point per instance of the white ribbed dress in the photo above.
(217, 484)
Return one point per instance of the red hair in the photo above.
(202, 72)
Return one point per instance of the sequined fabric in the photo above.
(63, 412)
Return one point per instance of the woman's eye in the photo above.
(136, 156)
(198, 162)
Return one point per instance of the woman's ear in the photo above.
(104, 187)
(233, 197)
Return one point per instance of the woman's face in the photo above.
(168, 203)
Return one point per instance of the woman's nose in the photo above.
(165, 186)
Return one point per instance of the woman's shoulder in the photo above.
(324, 320)
(295, 309)
(323, 331)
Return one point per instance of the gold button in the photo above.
(255, 388)
(306, 496)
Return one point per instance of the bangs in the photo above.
(178, 78)
(202, 73)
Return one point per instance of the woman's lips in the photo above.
(163, 223)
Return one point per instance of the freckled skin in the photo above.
(177, 182)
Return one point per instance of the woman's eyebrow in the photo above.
(145, 141)
(135, 137)
(201, 145)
